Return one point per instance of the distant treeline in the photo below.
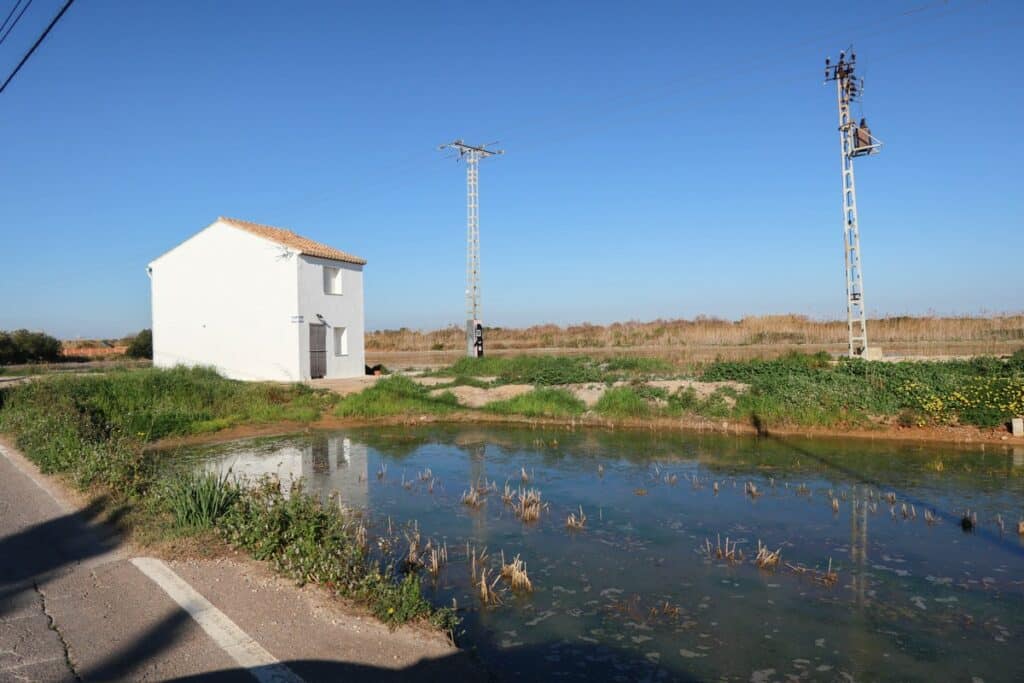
(23, 346)
(711, 331)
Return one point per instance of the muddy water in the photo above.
(635, 595)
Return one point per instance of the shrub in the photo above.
(22, 346)
(141, 345)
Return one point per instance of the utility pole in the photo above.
(472, 154)
(855, 140)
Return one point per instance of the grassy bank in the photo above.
(94, 430)
(793, 390)
(812, 390)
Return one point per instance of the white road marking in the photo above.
(249, 654)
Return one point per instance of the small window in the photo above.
(340, 341)
(332, 280)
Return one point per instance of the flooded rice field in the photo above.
(865, 570)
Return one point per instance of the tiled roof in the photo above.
(287, 238)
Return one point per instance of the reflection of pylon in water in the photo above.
(478, 477)
(858, 547)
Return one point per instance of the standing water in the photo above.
(875, 578)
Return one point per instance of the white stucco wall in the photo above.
(338, 310)
(225, 298)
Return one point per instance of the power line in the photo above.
(10, 14)
(16, 19)
(39, 40)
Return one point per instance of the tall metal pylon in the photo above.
(472, 154)
(855, 140)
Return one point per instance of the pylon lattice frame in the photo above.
(854, 141)
(472, 236)
(472, 154)
(856, 315)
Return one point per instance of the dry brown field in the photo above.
(702, 339)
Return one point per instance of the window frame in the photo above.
(340, 341)
(337, 288)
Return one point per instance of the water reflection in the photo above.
(325, 464)
(632, 597)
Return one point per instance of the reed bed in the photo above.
(732, 555)
(576, 522)
(515, 574)
(529, 506)
(437, 558)
(784, 329)
(485, 587)
(765, 558)
(413, 559)
(478, 561)
(826, 578)
(472, 498)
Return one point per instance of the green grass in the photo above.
(152, 403)
(624, 402)
(556, 370)
(395, 395)
(813, 390)
(541, 402)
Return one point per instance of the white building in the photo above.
(258, 303)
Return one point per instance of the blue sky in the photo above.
(663, 159)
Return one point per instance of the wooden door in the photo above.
(317, 351)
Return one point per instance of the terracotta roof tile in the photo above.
(287, 238)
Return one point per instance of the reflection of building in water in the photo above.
(326, 466)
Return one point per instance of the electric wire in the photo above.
(9, 14)
(35, 45)
(15, 22)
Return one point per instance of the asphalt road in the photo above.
(76, 605)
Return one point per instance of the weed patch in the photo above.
(395, 395)
(541, 402)
(623, 402)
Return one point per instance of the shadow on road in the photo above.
(35, 553)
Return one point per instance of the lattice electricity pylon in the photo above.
(855, 140)
(472, 154)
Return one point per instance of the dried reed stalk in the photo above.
(574, 522)
(472, 498)
(766, 559)
(515, 574)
